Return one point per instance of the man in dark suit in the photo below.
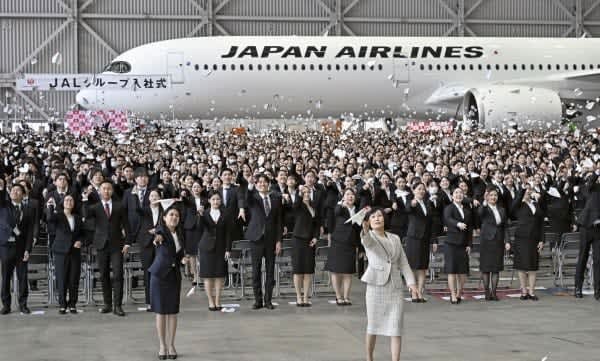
(264, 230)
(134, 198)
(589, 219)
(16, 241)
(233, 201)
(111, 242)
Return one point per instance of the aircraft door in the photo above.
(401, 70)
(175, 67)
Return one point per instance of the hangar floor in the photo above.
(559, 327)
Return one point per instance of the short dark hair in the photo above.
(226, 170)
(140, 172)
(264, 177)
(373, 211)
(20, 186)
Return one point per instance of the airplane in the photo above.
(481, 82)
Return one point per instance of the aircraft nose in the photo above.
(85, 99)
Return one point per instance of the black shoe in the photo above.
(73, 310)
(533, 297)
(257, 306)
(347, 303)
(454, 302)
(458, 300)
(162, 357)
(524, 297)
(302, 304)
(269, 306)
(422, 300)
(62, 311)
(213, 308)
(414, 300)
(493, 297)
(172, 357)
(5, 310)
(148, 308)
(119, 311)
(578, 293)
(340, 303)
(106, 309)
(24, 309)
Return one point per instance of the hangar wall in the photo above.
(89, 33)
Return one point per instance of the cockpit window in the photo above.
(119, 67)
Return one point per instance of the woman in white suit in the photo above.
(387, 265)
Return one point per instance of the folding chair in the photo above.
(132, 267)
(321, 277)
(568, 252)
(283, 272)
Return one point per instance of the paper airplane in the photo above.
(166, 203)
(553, 192)
(358, 217)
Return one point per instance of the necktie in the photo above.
(18, 213)
(267, 205)
(107, 210)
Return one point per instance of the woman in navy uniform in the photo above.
(345, 239)
(67, 251)
(165, 281)
(493, 218)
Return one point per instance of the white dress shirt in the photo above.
(496, 214)
(215, 214)
(71, 220)
(531, 206)
(423, 207)
(155, 212)
(460, 210)
(177, 243)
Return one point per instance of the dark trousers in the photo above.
(68, 271)
(11, 262)
(590, 238)
(260, 249)
(105, 259)
(147, 259)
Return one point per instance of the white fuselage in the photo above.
(363, 77)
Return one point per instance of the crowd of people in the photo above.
(197, 192)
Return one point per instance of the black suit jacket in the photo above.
(143, 235)
(456, 236)
(530, 226)
(399, 216)
(134, 209)
(348, 233)
(8, 221)
(110, 232)
(419, 224)
(167, 258)
(591, 210)
(215, 232)
(306, 226)
(489, 229)
(64, 238)
(259, 224)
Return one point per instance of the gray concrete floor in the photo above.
(561, 328)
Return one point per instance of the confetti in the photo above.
(34, 61)
(57, 59)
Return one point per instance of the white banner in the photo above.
(76, 82)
